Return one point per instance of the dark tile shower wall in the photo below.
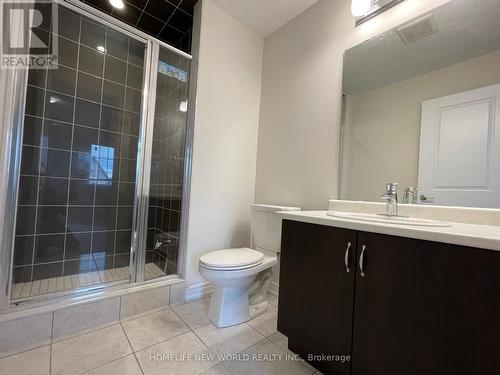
(167, 164)
(78, 164)
(168, 20)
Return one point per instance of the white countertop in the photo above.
(473, 235)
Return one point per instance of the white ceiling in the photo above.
(264, 16)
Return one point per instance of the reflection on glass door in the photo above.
(78, 165)
(167, 165)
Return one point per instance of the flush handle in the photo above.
(362, 261)
(346, 257)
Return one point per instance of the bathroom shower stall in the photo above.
(99, 160)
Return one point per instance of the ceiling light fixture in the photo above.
(360, 7)
(101, 49)
(117, 4)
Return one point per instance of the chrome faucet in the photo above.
(410, 195)
(391, 199)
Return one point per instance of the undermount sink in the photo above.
(380, 218)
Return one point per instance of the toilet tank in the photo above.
(266, 226)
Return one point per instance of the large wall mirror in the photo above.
(422, 108)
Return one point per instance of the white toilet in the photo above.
(242, 276)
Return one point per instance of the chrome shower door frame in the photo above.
(12, 109)
(140, 226)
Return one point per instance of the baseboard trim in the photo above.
(198, 291)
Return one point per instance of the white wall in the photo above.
(299, 126)
(225, 136)
(371, 130)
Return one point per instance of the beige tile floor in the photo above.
(175, 340)
(62, 284)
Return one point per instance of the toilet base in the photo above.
(239, 295)
(230, 306)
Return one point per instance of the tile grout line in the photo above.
(35, 347)
(84, 98)
(51, 342)
(239, 352)
(70, 151)
(264, 338)
(228, 370)
(113, 360)
(74, 178)
(159, 342)
(89, 47)
(72, 259)
(77, 206)
(176, 336)
(85, 332)
(143, 10)
(131, 347)
(192, 330)
(63, 122)
(120, 309)
(107, 363)
(165, 23)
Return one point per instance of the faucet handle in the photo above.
(410, 195)
(391, 187)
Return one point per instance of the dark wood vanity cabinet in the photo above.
(316, 291)
(426, 308)
(418, 307)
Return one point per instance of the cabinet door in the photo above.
(425, 308)
(316, 292)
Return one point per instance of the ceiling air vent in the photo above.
(418, 29)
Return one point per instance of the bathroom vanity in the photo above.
(390, 299)
(417, 291)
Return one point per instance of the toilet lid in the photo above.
(232, 258)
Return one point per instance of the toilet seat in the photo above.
(231, 259)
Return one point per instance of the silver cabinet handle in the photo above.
(346, 257)
(362, 261)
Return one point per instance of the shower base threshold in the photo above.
(63, 284)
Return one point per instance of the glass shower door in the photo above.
(79, 156)
(167, 165)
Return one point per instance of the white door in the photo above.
(459, 161)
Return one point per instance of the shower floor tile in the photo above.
(152, 271)
(83, 280)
